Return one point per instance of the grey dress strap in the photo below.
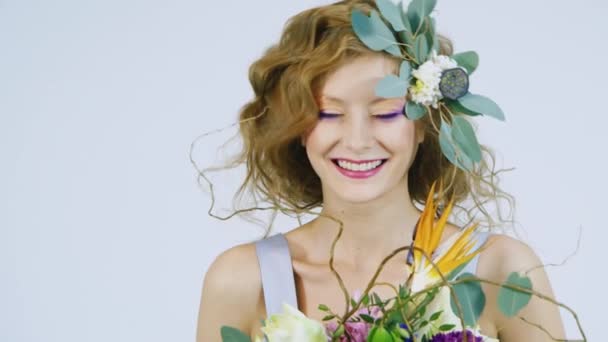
(277, 273)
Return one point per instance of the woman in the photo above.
(325, 139)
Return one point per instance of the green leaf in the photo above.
(432, 39)
(464, 136)
(414, 111)
(445, 142)
(403, 291)
(377, 300)
(510, 301)
(421, 49)
(379, 334)
(373, 32)
(323, 307)
(422, 7)
(367, 318)
(418, 10)
(450, 149)
(408, 39)
(230, 334)
(446, 327)
(365, 300)
(404, 19)
(328, 317)
(392, 13)
(405, 71)
(339, 331)
(468, 60)
(435, 315)
(482, 105)
(457, 108)
(472, 300)
(391, 86)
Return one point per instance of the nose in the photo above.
(357, 133)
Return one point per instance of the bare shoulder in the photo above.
(510, 254)
(503, 255)
(230, 293)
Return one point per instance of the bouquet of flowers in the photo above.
(436, 303)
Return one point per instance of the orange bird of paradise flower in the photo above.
(428, 234)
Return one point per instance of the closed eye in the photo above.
(387, 116)
(324, 115)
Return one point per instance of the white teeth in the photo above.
(359, 167)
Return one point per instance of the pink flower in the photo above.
(357, 330)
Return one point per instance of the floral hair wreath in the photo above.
(433, 80)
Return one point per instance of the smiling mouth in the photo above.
(358, 166)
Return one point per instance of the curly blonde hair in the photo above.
(285, 80)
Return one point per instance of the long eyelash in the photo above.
(388, 116)
(327, 115)
(379, 116)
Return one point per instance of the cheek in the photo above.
(320, 138)
(398, 137)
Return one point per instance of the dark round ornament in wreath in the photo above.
(454, 83)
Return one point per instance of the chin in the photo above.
(358, 195)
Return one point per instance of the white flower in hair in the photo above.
(428, 76)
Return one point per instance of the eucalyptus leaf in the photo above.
(471, 298)
(451, 150)
(418, 10)
(457, 108)
(414, 111)
(394, 50)
(510, 301)
(391, 86)
(468, 60)
(414, 20)
(408, 39)
(481, 104)
(372, 31)
(445, 142)
(405, 71)
(230, 334)
(432, 39)
(392, 13)
(422, 7)
(404, 19)
(421, 48)
(464, 136)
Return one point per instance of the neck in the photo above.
(371, 231)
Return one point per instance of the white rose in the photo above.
(292, 326)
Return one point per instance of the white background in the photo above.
(104, 234)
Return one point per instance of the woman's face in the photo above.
(362, 145)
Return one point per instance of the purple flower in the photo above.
(357, 330)
(456, 336)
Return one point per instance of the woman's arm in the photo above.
(230, 293)
(513, 255)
